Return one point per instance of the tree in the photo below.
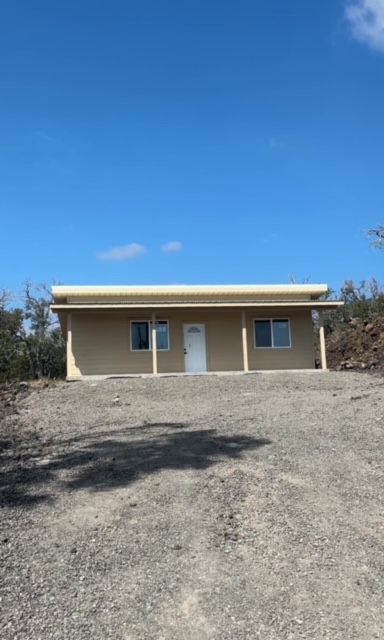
(44, 342)
(377, 236)
(363, 300)
(13, 361)
(31, 343)
(293, 280)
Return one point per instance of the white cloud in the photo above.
(127, 252)
(366, 19)
(172, 247)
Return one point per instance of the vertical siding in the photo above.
(101, 343)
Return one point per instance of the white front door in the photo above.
(195, 356)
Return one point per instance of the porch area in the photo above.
(163, 341)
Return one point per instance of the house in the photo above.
(128, 330)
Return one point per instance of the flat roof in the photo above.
(62, 292)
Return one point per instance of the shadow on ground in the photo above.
(108, 459)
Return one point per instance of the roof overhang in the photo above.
(190, 293)
(288, 296)
(283, 304)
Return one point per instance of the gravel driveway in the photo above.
(199, 508)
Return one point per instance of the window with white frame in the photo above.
(274, 333)
(141, 335)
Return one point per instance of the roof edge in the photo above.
(283, 304)
(61, 292)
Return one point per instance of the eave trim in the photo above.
(334, 304)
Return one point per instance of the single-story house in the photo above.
(129, 330)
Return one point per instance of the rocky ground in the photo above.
(358, 345)
(198, 508)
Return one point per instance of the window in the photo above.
(141, 335)
(162, 335)
(272, 334)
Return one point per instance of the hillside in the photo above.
(357, 345)
(159, 516)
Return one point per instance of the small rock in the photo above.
(177, 547)
(73, 550)
(355, 321)
(133, 504)
(43, 462)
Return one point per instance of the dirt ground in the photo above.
(357, 345)
(199, 508)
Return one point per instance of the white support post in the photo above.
(322, 341)
(154, 344)
(69, 342)
(245, 340)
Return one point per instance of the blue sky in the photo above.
(190, 142)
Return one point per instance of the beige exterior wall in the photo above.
(301, 355)
(101, 342)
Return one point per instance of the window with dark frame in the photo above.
(273, 333)
(141, 335)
